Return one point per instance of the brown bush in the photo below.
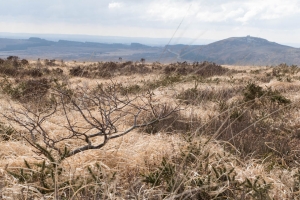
(135, 69)
(12, 67)
(78, 71)
(34, 72)
(26, 91)
(204, 69)
(107, 69)
(207, 69)
(11, 58)
(50, 62)
(24, 62)
(109, 66)
(127, 63)
(8, 70)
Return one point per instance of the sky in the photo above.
(275, 20)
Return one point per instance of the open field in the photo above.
(132, 130)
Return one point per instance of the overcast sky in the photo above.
(275, 20)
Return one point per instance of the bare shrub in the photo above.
(106, 123)
(111, 108)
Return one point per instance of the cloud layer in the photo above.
(274, 19)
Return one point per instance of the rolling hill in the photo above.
(243, 51)
(232, 51)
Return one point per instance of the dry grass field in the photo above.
(106, 130)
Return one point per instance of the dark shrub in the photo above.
(26, 90)
(204, 69)
(169, 69)
(78, 71)
(207, 69)
(135, 69)
(49, 62)
(253, 91)
(37, 87)
(33, 72)
(9, 70)
(24, 62)
(127, 63)
(11, 58)
(109, 66)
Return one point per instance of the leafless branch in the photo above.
(101, 112)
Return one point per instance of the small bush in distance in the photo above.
(27, 90)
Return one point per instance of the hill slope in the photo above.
(243, 51)
(232, 51)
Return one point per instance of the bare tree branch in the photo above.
(101, 112)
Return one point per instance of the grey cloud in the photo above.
(198, 15)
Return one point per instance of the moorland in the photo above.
(138, 130)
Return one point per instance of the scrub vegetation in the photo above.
(137, 130)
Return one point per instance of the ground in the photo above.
(235, 134)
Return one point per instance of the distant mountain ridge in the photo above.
(243, 51)
(38, 42)
(232, 51)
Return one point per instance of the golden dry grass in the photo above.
(137, 152)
